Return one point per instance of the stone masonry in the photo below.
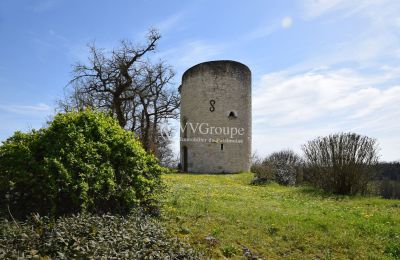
(216, 118)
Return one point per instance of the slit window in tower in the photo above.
(232, 115)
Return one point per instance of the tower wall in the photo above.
(216, 100)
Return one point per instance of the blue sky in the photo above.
(319, 66)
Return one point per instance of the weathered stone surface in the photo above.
(217, 95)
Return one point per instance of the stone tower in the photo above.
(216, 118)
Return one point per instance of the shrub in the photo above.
(283, 167)
(82, 162)
(262, 173)
(85, 236)
(229, 250)
(341, 163)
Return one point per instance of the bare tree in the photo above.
(128, 86)
(341, 163)
(255, 158)
(164, 150)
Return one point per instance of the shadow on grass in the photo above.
(207, 173)
(305, 189)
(317, 192)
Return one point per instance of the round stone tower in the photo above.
(216, 118)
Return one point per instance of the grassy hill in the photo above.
(223, 215)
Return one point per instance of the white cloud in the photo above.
(304, 96)
(286, 22)
(289, 109)
(300, 103)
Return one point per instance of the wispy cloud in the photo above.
(316, 8)
(352, 85)
(375, 46)
(269, 28)
(376, 41)
(191, 52)
(44, 5)
(262, 31)
(40, 109)
(197, 51)
(304, 97)
(171, 22)
(53, 41)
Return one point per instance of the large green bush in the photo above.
(82, 162)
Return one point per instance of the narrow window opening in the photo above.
(222, 147)
(232, 115)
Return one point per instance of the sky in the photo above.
(318, 66)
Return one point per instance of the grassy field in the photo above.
(223, 214)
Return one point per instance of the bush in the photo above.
(341, 163)
(82, 162)
(85, 236)
(283, 167)
(230, 250)
(262, 173)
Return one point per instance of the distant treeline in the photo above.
(387, 180)
(388, 171)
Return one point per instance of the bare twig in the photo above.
(9, 212)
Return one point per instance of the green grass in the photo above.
(278, 222)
